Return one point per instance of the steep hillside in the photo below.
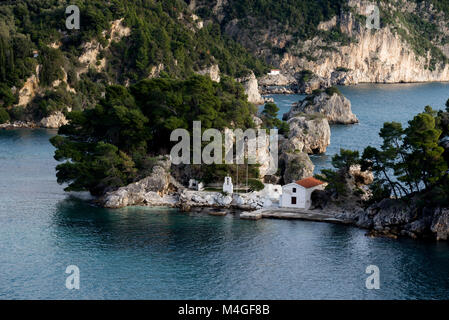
(46, 68)
(330, 38)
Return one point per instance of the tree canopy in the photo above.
(411, 161)
(109, 146)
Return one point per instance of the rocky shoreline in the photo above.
(53, 121)
(389, 218)
(385, 219)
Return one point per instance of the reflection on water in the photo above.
(142, 253)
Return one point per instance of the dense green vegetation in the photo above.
(164, 36)
(113, 144)
(422, 34)
(270, 119)
(301, 16)
(410, 162)
(4, 115)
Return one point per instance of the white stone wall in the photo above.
(287, 194)
(303, 196)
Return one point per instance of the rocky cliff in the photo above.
(332, 105)
(159, 188)
(295, 166)
(251, 86)
(411, 44)
(309, 134)
(394, 218)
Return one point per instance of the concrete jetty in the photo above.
(291, 214)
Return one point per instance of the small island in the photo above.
(118, 151)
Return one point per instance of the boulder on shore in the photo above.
(156, 189)
(54, 121)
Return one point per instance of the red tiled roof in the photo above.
(309, 182)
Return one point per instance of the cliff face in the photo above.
(251, 86)
(410, 46)
(372, 56)
(308, 135)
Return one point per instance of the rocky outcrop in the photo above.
(213, 72)
(54, 121)
(157, 189)
(335, 107)
(307, 83)
(261, 154)
(64, 82)
(397, 218)
(118, 30)
(296, 166)
(276, 80)
(161, 189)
(29, 89)
(251, 88)
(309, 134)
(156, 71)
(91, 50)
(440, 225)
(89, 56)
(354, 191)
(250, 201)
(277, 90)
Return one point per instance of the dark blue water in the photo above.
(141, 253)
(374, 104)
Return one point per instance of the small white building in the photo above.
(228, 186)
(298, 194)
(196, 185)
(274, 72)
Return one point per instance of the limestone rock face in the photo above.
(381, 55)
(390, 214)
(296, 166)
(308, 135)
(313, 83)
(251, 88)
(29, 89)
(54, 121)
(156, 71)
(335, 107)
(276, 80)
(359, 177)
(213, 72)
(155, 189)
(440, 225)
(395, 218)
(92, 49)
(118, 30)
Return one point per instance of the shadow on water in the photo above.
(140, 227)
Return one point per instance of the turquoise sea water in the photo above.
(141, 253)
(374, 104)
